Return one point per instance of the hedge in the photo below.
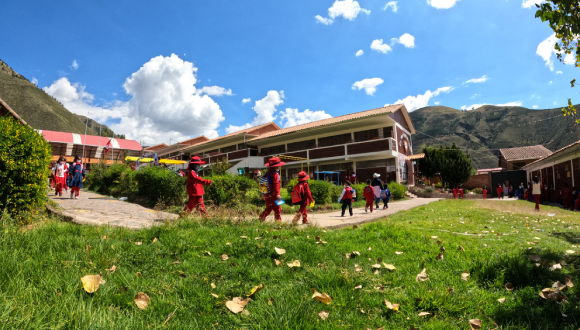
(322, 191)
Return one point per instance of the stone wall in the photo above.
(444, 195)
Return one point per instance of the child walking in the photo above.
(60, 173)
(346, 198)
(369, 195)
(194, 187)
(386, 197)
(270, 188)
(76, 176)
(302, 192)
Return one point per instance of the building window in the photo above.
(335, 167)
(210, 152)
(372, 163)
(274, 150)
(334, 140)
(388, 132)
(243, 146)
(371, 134)
(229, 149)
(302, 145)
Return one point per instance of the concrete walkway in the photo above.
(95, 209)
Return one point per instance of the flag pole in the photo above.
(100, 128)
(85, 141)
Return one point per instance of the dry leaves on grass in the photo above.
(549, 294)
(422, 276)
(440, 256)
(509, 286)
(278, 262)
(322, 297)
(213, 285)
(243, 236)
(570, 251)
(295, 263)
(358, 287)
(465, 276)
(398, 253)
(112, 269)
(461, 248)
(237, 304)
(323, 314)
(555, 266)
(279, 251)
(142, 300)
(215, 295)
(376, 266)
(256, 289)
(91, 282)
(104, 237)
(535, 258)
(568, 282)
(155, 240)
(355, 253)
(138, 243)
(391, 306)
(475, 324)
(424, 314)
(224, 257)
(389, 266)
(357, 268)
(501, 300)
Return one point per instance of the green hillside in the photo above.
(491, 127)
(37, 108)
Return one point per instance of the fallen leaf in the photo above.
(391, 306)
(357, 268)
(376, 266)
(279, 251)
(398, 253)
(138, 274)
(278, 262)
(228, 243)
(422, 276)
(91, 282)
(237, 304)
(270, 301)
(440, 256)
(550, 294)
(142, 300)
(461, 248)
(233, 264)
(434, 237)
(294, 263)
(138, 243)
(555, 266)
(569, 282)
(535, 258)
(112, 269)
(389, 266)
(155, 240)
(225, 257)
(176, 262)
(207, 252)
(369, 248)
(213, 285)
(358, 287)
(442, 249)
(246, 312)
(509, 286)
(256, 289)
(501, 300)
(354, 226)
(376, 272)
(465, 276)
(451, 290)
(475, 324)
(570, 251)
(558, 286)
(348, 255)
(215, 295)
(243, 236)
(322, 297)
(323, 314)
(257, 238)
(356, 253)
(424, 314)
(104, 237)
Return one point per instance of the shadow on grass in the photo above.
(524, 308)
(569, 237)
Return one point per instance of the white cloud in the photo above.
(406, 40)
(569, 59)
(247, 100)
(442, 4)
(392, 5)
(369, 85)
(379, 46)
(475, 96)
(264, 108)
(559, 72)
(550, 83)
(477, 80)
(359, 53)
(294, 117)
(164, 103)
(75, 65)
(535, 106)
(34, 81)
(348, 9)
(546, 49)
(531, 3)
(555, 102)
(437, 103)
(415, 102)
(214, 91)
(475, 106)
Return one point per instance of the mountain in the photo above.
(37, 108)
(484, 130)
(104, 130)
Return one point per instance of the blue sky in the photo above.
(148, 61)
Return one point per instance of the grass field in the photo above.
(40, 286)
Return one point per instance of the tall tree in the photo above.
(449, 163)
(430, 165)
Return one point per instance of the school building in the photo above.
(367, 142)
(560, 167)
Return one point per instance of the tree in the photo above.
(564, 19)
(449, 163)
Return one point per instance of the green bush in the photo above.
(231, 190)
(160, 185)
(116, 180)
(397, 190)
(478, 191)
(428, 189)
(24, 167)
(322, 191)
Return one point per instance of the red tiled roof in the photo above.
(530, 152)
(156, 147)
(247, 130)
(90, 140)
(557, 152)
(334, 120)
(416, 156)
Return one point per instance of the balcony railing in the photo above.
(234, 155)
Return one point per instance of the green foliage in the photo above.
(478, 191)
(323, 192)
(116, 180)
(160, 185)
(220, 168)
(429, 189)
(430, 165)
(397, 190)
(449, 163)
(231, 190)
(24, 167)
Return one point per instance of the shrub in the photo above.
(160, 185)
(231, 190)
(24, 167)
(478, 191)
(397, 190)
(429, 189)
(322, 191)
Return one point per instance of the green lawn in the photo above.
(40, 273)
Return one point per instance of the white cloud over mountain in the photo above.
(478, 105)
(369, 85)
(416, 102)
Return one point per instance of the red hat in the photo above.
(302, 176)
(196, 160)
(274, 162)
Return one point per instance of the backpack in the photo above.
(298, 194)
(385, 194)
(347, 193)
(265, 183)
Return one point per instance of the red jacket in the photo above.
(307, 192)
(369, 194)
(195, 184)
(275, 186)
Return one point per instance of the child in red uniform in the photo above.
(306, 198)
(60, 173)
(194, 186)
(369, 195)
(566, 196)
(484, 193)
(346, 198)
(270, 183)
(455, 191)
(499, 191)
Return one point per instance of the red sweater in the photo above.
(195, 184)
